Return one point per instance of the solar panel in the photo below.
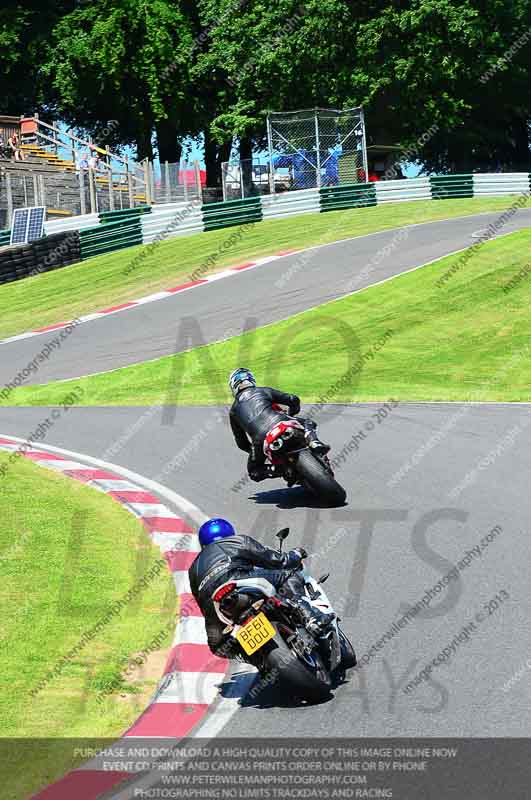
(27, 224)
(36, 223)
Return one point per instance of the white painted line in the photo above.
(150, 510)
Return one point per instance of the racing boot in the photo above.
(314, 620)
(315, 444)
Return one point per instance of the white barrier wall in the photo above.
(71, 224)
(168, 221)
(500, 183)
(288, 204)
(402, 190)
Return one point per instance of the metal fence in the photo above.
(71, 192)
(247, 178)
(306, 150)
(318, 147)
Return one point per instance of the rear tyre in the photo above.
(308, 679)
(318, 480)
(348, 656)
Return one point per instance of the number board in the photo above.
(27, 224)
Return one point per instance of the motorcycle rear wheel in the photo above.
(319, 480)
(308, 679)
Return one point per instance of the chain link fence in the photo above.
(319, 147)
(307, 150)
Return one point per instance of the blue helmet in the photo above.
(214, 529)
(241, 378)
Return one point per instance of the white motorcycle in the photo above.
(267, 632)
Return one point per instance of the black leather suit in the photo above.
(251, 417)
(235, 557)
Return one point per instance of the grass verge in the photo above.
(104, 281)
(68, 553)
(408, 339)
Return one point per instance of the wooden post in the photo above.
(9, 193)
(147, 182)
(82, 198)
(197, 179)
(111, 195)
(167, 178)
(35, 190)
(92, 191)
(152, 180)
(73, 148)
(130, 189)
(42, 199)
(184, 172)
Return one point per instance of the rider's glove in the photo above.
(296, 556)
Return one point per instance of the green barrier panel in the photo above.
(111, 236)
(114, 229)
(448, 186)
(231, 221)
(231, 212)
(5, 237)
(108, 247)
(123, 213)
(334, 198)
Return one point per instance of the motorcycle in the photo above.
(289, 456)
(264, 631)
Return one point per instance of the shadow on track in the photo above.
(298, 497)
(272, 696)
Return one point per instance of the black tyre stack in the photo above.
(50, 252)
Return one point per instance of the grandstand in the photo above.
(49, 174)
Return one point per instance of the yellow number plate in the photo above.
(255, 634)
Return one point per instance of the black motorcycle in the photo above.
(290, 457)
(267, 633)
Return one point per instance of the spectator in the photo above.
(14, 145)
(94, 162)
(83, 162)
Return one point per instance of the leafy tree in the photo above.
(126, 60)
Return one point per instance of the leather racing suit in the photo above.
(242, 557)
(253, 413)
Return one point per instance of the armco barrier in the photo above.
(123, 213)
(402, 191)
(355, 195)
(114, 230)
(290, 204)
(231, 212)
(501, 183)
(169, 220)
(444, 187)
(43, 255)
(110, 236)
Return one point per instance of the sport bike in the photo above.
(289, 456)
(266, 632)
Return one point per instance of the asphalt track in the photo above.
(397, 536)
(395, 539)
(224, 308)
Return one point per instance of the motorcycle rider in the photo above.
(255, 411)
(226, 555)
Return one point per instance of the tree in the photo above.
(416, 66)
(126, 60)
(24, 33)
